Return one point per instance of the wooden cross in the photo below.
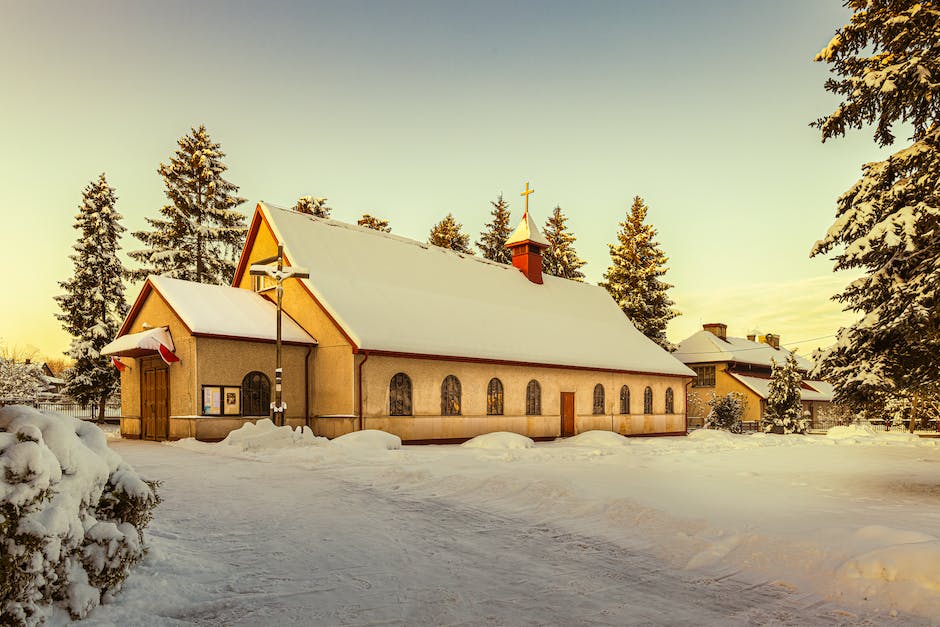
(526, 194)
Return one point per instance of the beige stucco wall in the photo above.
(427, 423)
(332, 394)
(226, 362)
(724, 384)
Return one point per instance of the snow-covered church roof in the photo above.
(389, 293)
(220, 310)
(705, 346)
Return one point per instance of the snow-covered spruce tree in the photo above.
(492, 242)
(93, 304)
(201, 233)
(633, 278)
(19, 381)
(376, 224)
(725, 412)
(448, 233)
(313, 206)
(887, 67)
(560, 258)
(784, 410)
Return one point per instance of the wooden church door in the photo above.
(567, 414)
(154, 399)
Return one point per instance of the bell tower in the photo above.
(527, 244)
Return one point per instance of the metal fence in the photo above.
(112, 411)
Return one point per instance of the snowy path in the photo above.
(244, 542)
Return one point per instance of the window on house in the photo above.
(450, 396)
(648, 400)
(399, 395)
(704, 376)
(599, 399)
(670, 401)
(624, 400)
(256, 394)
(494, 398)
(533, 399)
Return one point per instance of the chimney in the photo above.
(526, 244)
(751, 337)
(718, 329)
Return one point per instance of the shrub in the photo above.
(72, 515)
(726, 412)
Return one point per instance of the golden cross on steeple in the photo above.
(526, 194)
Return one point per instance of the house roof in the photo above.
(219, 310)
(705, 346)
(811, 390)
(393, 294)
(526, 231)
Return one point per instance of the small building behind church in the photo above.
(394, 334)
(724, 364)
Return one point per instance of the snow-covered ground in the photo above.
(287, 528)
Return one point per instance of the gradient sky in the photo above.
(410, 110)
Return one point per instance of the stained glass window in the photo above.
(624, 400)
(599, 399)
(494, 398)
(450, 396)
(533, 399)
(399, 395)
(648, 401)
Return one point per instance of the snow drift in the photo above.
(72, 515)
(499, 440)
(264, 435)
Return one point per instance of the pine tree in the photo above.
(201, 233)
(725, 412)
(887, 60)
(19, 380)
(313, 206)
(560, 258)
(93, 305)
(492, 242)
(784, 410)
(448, 233)
(376, 224)
(633, 278)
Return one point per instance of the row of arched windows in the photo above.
(399, 397)
(625, 400)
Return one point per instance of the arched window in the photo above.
(494, 398)
(533, 399)
(648, 400)
(599, 399)
(256, 394)
(450, 396)
(399, 395)
(624, 400)
(670, 404)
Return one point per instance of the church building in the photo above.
(394, 334)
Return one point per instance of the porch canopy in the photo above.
(140, 344)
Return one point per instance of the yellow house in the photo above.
(724, 364)
(395, 334)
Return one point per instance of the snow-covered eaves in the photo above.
(811, 390)
(220, 311)
(396, 295)
(141, 343)
(706, 347)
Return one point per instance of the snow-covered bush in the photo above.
(20, 380)
(725, 412)
(72, 515)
